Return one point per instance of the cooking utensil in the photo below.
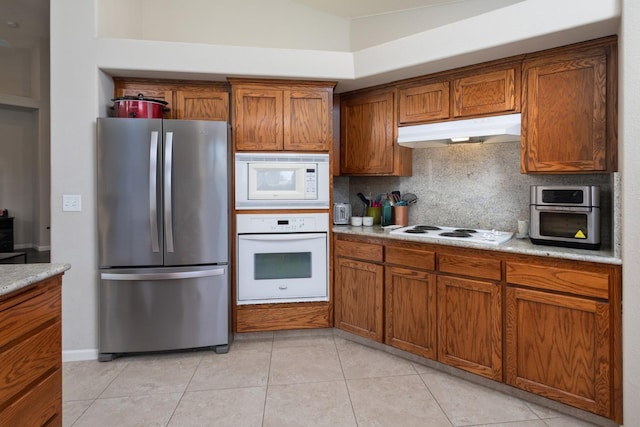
(396, 195)
(410, 198)
(364, 199)
(139, 107)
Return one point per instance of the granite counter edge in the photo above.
(17, 276)
(514, 246)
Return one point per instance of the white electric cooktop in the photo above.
(427, 232)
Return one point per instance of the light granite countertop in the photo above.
(18, 276)
(516, 246)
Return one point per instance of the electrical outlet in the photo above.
(71, 202)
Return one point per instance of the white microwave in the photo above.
(281, 181)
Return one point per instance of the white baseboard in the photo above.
(79, 355)
(42, 248)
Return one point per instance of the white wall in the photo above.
(18, 140)
(78, 86)
(273, 23)
(629, 132)
(24, 142)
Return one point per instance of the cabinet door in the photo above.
(367, 134)
(202, 105)
(486, 93)
(358, 288)
(410, 311)
(429, 102)
(470, 325)
(307, 120)
(257, 119)
(559, 347)
(564, 123)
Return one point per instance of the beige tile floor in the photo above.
(293, 378)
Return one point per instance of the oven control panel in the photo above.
(282, 223)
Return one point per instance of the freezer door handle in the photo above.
(153, 196)
(168, 218)
(162, 276)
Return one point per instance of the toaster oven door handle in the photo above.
(576, 209)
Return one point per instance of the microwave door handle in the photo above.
(168, 214)
(153, 196)
(281, 237)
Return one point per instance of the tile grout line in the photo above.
(344, 378)
(266, 390)
(173, 413)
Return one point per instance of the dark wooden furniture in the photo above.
(6, 234)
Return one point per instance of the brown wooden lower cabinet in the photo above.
(31, 354)
(278, 317)
(548, 326)
(470, 325)
(358, 297)
(559, 347)
(410, 311)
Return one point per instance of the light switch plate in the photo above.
(71, 202)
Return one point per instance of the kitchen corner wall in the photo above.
(477, 186)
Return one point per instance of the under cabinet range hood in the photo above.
(505, 128)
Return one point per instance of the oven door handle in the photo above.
(576, 209)
(281, 236)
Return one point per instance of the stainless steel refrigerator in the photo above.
(163, 214)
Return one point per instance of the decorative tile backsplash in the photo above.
(476, 186)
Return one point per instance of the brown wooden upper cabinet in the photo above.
(186, 100)
(368, 133)
(282, 115)
(202, 105)
(569, 112)
(487, 93)
(473, 92)
(424, 103)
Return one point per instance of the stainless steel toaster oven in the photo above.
(565, 216)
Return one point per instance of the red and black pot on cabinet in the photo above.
(139, 107)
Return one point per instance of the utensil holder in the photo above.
(401, 215)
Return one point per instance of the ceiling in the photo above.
(352, 9)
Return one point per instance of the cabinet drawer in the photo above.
(580, 282)
(29, 360)
(411, 257)
(358, 250)
(470, 266)
(42, 405)
(26, 312)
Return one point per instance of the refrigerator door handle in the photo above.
(162, 276)
(153, 196)
(168, 217)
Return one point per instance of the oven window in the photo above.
(283, 265)
(567, 225)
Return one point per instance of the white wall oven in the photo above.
(282, 258)
(281, 181)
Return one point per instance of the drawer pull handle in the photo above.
(282, 287)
